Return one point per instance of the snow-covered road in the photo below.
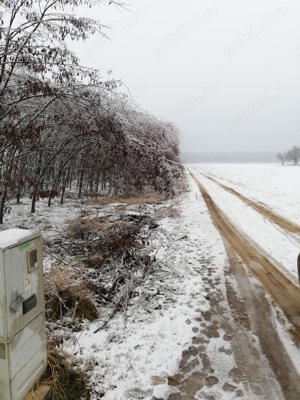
(280, 245)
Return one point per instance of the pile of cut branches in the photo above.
(114, 256)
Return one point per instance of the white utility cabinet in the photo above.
(23, 354)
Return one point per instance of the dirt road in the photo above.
(263, 369)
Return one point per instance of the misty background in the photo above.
(226, 73)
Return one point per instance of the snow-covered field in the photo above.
(275, 185)
(138, 356)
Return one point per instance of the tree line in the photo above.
(61, 124)
(292, 155)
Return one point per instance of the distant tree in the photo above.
(294, 155)
(282, 157)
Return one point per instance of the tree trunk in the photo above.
(33, 201)
(97, 183)
(49, 199)
(2, 206)
(63, 189)
(80, 183)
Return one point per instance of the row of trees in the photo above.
(61, 122)
(292, 155)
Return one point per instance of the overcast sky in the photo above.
(226, 73)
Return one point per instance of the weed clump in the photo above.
(65, 375)
(68, 295)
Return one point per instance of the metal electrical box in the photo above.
(23, 355)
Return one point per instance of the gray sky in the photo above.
(227, 73)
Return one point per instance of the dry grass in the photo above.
(64, 375)
(67, 295)
(85, 228)
(149, 198)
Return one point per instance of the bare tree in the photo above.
(294, 155)
(282, 157)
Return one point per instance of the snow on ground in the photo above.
(134, 357)
(49, 220)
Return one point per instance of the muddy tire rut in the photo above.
(262, 324)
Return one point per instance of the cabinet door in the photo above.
(27, 357)
(24, 284)
(3, 302)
